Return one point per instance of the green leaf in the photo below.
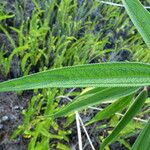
(91, 90)
(3, 17)
(93, 75)
(8, 36)
(96, 98)
(143, 141)
(131, 112)
(140, 17)
(112, 109)
(61, 146)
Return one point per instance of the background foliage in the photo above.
(65, 33)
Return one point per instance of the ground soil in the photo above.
(11, 106)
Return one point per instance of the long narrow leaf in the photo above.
(3, 17)
(140, 17)
(93, 99)
(112, 109)
(143, 141)
(131, 112)
(96, 75)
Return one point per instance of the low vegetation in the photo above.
(75, 57)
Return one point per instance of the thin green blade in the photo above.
(140, 17)
(93, 75)
(131, 112)
(112, 109)
(143, 141)
(3, 17)
(93, 99)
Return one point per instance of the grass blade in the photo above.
(112, 109)
(140, 17)
(131, 112)
(143, 141)
(93, 99)
(93, 75)
(3, 17)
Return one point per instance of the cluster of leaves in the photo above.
(54, 31)
(61, 29)
(72, 40)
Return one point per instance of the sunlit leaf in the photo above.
(3, 17)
